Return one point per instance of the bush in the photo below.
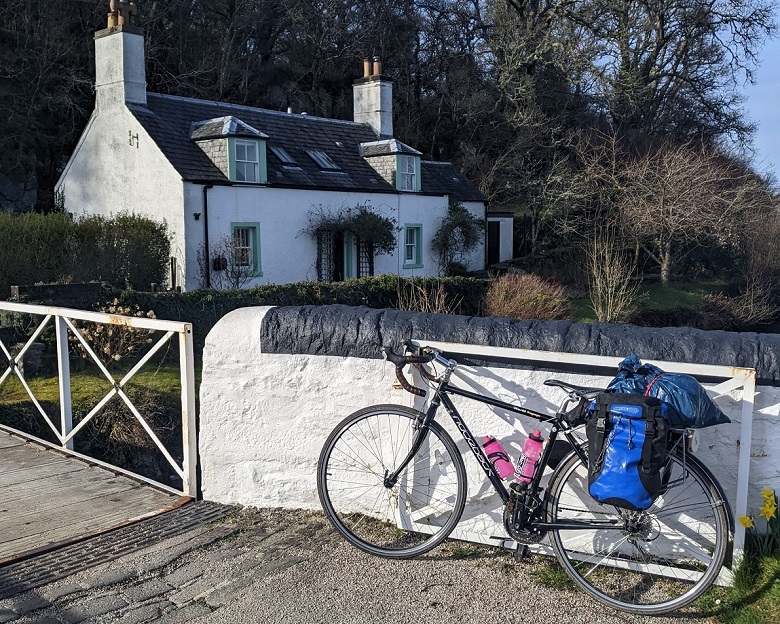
(747, 309)
(526, 297)
(34, 248)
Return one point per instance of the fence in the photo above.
(64, 431)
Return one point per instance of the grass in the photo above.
(656, 296)
(90, 384)
(679, 294)
(549, 573)
(754, 597)
(466, 550)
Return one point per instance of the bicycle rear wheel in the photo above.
(646, 562)
(419, 511)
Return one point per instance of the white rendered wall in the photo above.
(287, 253)
(372, 103)
(264, 418)
(116, 167)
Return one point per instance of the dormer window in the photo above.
(235, 147)
(407, 173)
(247, 161)
(323, 160)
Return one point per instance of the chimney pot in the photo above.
(372, 99)
(366, 67)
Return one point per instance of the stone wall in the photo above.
(277, 380)
(217, 151)
(384, 166)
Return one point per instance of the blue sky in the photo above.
(763, 107)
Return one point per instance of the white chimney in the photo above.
(120, 72)
(372, 97)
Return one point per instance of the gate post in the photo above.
(63, 366)
(188, 433)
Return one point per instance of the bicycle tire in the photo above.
(651, 562)
(412, 517)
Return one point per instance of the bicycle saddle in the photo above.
(572, 388)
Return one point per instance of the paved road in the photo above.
(273, 566)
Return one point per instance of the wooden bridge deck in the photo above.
(48, 499)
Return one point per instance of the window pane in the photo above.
(407, 173)
(247, 164)
(411, 244)
(244, 243)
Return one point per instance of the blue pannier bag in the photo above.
(692, 406)
(628, 438)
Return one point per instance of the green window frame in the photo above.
(246, 240)
(247, 161)
(412, 246)
(407, 173)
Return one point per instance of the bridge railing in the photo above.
(67, 331)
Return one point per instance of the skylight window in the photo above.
(283, 155)
(323, 160)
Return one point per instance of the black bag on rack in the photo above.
(628, 437)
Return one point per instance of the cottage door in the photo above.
(350, 256)
(493, 242)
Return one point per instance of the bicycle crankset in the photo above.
(520, 513)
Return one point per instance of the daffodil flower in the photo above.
(769, 507)
(746, 521)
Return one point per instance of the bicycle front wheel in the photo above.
(412, 516)
(647, 562)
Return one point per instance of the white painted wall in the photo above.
(116, 166)
(112, 171)
(264, 418)
(287, 253)
(506, 237)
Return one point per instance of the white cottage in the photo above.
(218, 172)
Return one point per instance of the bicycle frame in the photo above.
(441, 396)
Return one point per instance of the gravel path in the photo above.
(279, 566)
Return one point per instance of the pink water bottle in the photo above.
(532, 451)
(498, 457)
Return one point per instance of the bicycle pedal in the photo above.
(520, 552)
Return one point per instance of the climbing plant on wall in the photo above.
(361, 220)
(459, 234)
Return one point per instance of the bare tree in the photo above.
(230, 266)
(677, 196)
(613, 293)
(661, 67)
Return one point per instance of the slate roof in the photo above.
(386, 147)
(446, 179)
(170, 120)
(224, 127)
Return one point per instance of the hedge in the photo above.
(123, 250)
(203, 308)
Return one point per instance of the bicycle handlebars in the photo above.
(402, 360)
(574, 391)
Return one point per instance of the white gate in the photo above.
(64, 431)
